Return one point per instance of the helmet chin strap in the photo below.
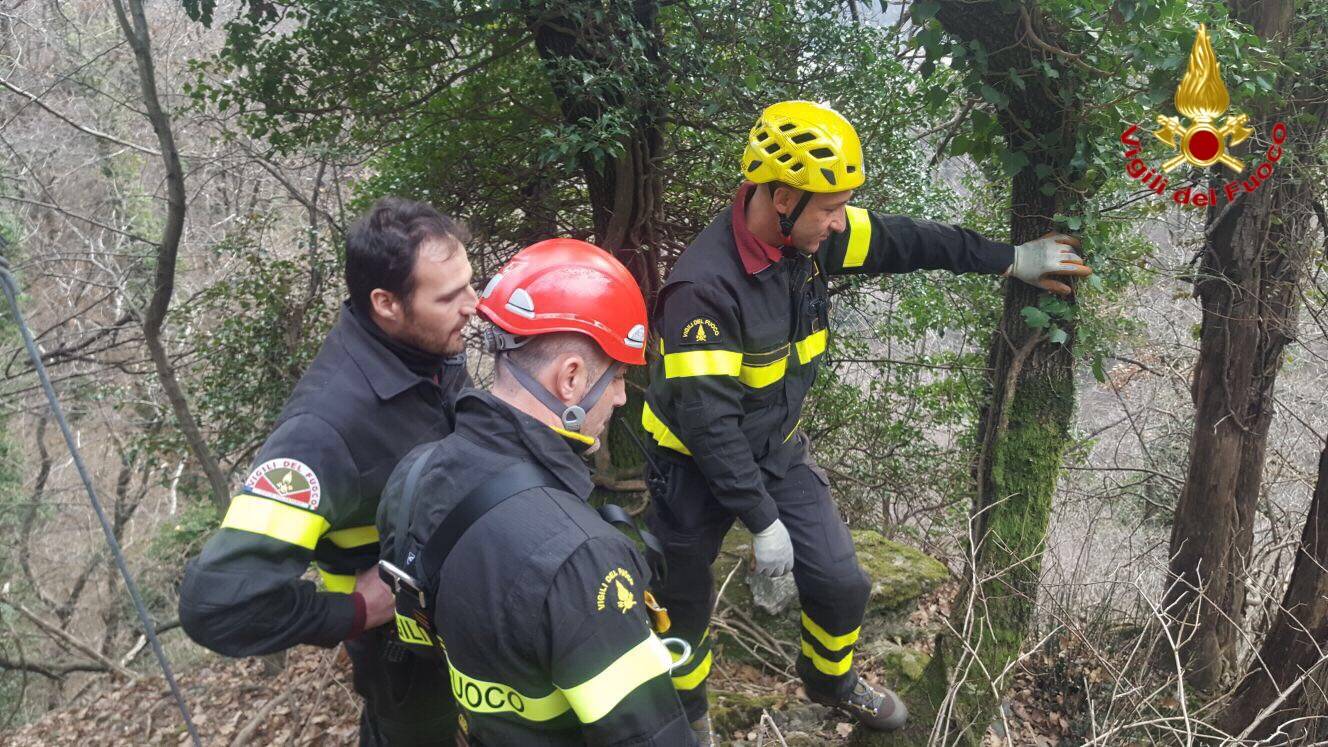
(786, 222)
(573, 416)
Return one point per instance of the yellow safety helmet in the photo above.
(804, 145)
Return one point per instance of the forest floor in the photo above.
(310, 702)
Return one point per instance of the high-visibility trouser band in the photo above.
(811, 346)
(340, 583)
(353, 536)
(294, 526)
(830, 654)
(591, 700)
(660, 432)
(598, 696)
(831, 642)
(691, 675)
(827, 665)
(859, 237)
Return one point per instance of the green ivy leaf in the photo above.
(1099, 370)
(1035, 318)
(1058, 336)
(994, 97)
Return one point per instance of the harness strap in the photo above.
(516, 479)
(617, 516)
(401, 525)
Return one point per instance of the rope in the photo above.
(9, 286)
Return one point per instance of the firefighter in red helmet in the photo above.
(537, 603)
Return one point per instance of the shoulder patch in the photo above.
(285, 480)
(700, 330)
(618, 583)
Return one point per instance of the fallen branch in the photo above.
(58, 634)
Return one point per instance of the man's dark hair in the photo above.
(382, 245)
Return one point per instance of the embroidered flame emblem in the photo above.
(1202, 97)
(625, 599)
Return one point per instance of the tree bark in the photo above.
(1298, 639)
(1025, 425)
(1253, 258)
(135, 27)
(583, 44)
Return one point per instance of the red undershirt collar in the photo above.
(756, 255)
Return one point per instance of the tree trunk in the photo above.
(1297, 643)
(1254, 255)
(135, 28)
(1025, 425)
(583, 44)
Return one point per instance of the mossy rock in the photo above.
(731, 712)
(901, 575)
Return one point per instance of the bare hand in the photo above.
(379, 604)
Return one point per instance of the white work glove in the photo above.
(1052, 254)
(774, 550)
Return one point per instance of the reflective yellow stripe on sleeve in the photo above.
(859, 237)
(826, 666)
(353, 536)
(597, 696)
(294, 526)
(339, 583)
(702, 363)
(811, 346)
(494, 697)
(659, 431)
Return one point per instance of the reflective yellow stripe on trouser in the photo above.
(859, 237)
(839, 645)
(294, 526)
(591, 700)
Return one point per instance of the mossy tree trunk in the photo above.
(1025, 424)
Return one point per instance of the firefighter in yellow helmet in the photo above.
(742, 328)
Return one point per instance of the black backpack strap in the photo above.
(401, 523)
(618, 516)
(513, 480)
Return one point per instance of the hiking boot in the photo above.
(704, 735)
(878, 710)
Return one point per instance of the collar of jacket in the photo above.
(756, 255)
(491, 423)
(386, 373)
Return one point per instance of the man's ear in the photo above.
(570, 370)
(386, 305)
(785, 199)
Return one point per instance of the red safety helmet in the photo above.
(566, 285)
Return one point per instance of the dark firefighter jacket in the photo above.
(312, 497)
(539, 605)
(741, 338)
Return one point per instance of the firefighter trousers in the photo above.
(407, 696)
(832, 587)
